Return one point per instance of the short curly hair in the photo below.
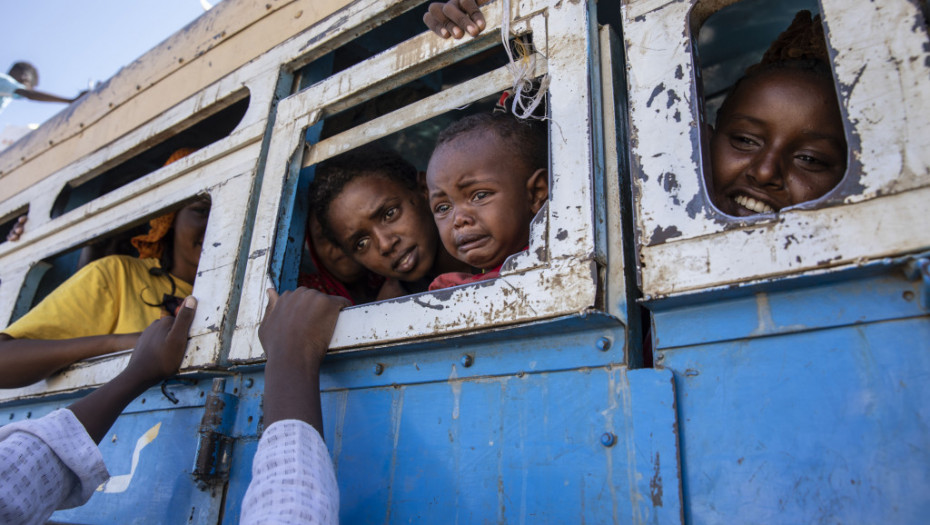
(526, 138)
(334, 174)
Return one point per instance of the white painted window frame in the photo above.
(556, 276)
(880, 65)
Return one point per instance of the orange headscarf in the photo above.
(150, 244)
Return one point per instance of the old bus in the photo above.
(648, 359)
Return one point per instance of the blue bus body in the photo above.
(767, 391)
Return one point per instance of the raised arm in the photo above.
(52, 462)
(455, 17)
(295, 335)
(293, 480)
(157, 356)
(41, 96)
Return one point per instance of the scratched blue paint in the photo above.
(512, 448)
(823, 425)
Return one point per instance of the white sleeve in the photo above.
(47, 464)
(292, 478)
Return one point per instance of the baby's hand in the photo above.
(455, 17)
(161, 346)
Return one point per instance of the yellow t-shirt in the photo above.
(108, 296)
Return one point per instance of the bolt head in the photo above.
(378, 369)
(603, 344)
(467, 360)
(608, 439)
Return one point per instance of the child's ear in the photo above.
(537, 189)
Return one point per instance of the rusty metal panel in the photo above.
(685, 244)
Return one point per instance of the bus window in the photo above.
(201, 129)
(776, 133)
(416, 88)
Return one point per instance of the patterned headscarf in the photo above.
(803, 40)
(151, 245)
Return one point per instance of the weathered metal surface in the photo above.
(525, 292)
(215, 442)
(458, 445)
(685, 244)
(790, 419)
(148, 452)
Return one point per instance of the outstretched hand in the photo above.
(160, 348)
(298, 325)
(295, 334)
(455, 17)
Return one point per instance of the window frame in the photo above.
(561, 261)
(684, 244)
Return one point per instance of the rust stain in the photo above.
(655, 485)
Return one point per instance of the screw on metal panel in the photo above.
(467, 360)
(378, 369)
(603, 344)
(660, 357)
(608, 439)
(249, 382)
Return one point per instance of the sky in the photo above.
(76, 43)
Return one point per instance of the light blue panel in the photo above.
(829, 426)
(516, 448)
(772, 312)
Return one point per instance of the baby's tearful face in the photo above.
(779, 141)
(481, 199)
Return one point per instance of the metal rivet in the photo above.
(467, 360)
(608, 439)
(378, 369)
(603, 344)
(249, 382)
(660, 357)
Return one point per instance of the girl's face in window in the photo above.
(386, 227)
(779, 141)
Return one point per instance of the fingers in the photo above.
(455, 17)
(272, 300)
(436, 21)
(17, 231)
(182, 323)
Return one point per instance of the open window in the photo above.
(561, 259)
(685, 243)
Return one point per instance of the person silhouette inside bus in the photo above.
(21, 81)
(779, 138)
(487, 178)
(53, 462)
(104, 307)
(335, 272)
(372, 204)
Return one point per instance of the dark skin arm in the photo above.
(157, 356)
(295, 335)
(455, 18)
(26, 361)
(41, 96)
